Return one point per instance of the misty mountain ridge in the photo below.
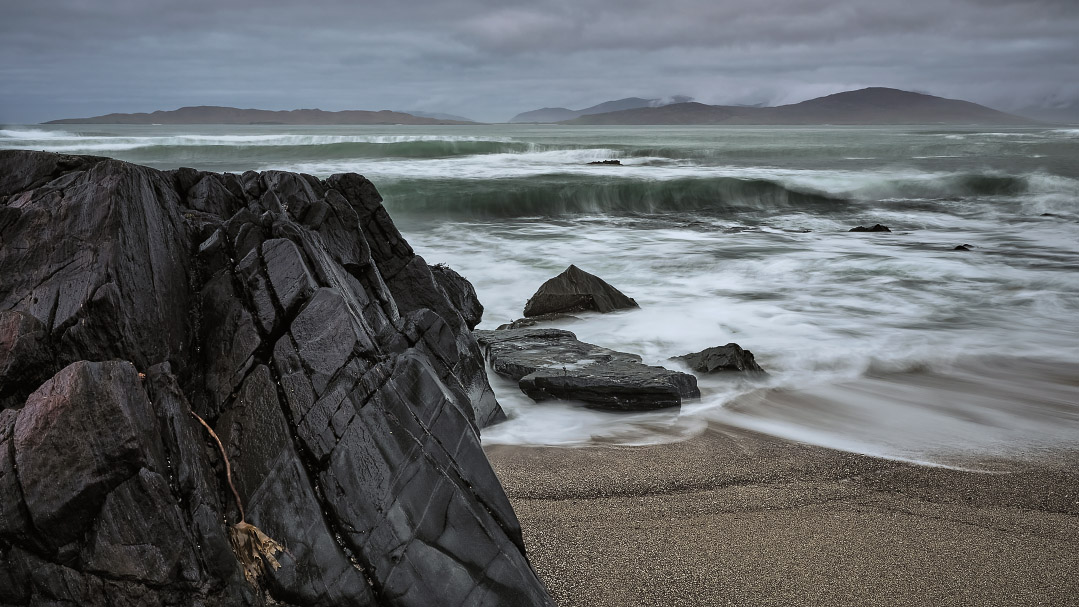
(561, 114)
(438, 116)
(1066, 112)
(874, 105)
(212, 114)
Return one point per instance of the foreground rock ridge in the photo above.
(290, 314)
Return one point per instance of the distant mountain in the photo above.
(546, 114)
(875, 105)
(559, 114)
(209, 114)
(439, 116)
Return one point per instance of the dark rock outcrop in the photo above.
(730, 357)
(337, 369)
(25, 356)
(575, 290)
(963, 247)
(876, 228)
(460, 293)
(553, 364)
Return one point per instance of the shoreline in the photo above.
(733, 517)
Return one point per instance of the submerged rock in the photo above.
(554, 364)
(730, 357)
(523, 323)
(290, 314)
(575, 290)
(876, 228)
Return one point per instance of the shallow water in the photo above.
(889, 344)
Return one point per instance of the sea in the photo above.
(889, 344)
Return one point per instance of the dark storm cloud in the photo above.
(489, 60)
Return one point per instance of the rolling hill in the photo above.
(875, 105)
(209, 114)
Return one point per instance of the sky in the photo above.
(489, 60)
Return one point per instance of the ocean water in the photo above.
(891, 344)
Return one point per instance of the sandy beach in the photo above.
(732, 517)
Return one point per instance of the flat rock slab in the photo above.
(554, 364)
(575, 290)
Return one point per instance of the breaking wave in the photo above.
(562, 194)
(554, 195)
(267, 147)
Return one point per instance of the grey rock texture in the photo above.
(719, 359)
(575, 290)
(461, 294)
(287, 311)
(554, 364)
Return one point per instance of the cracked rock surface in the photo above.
(287, 311)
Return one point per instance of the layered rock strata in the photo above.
(554, 364)
(290, 314)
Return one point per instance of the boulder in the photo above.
(575, 290)
(287, 312)
(79, 436)
(554, 364)
(875, 228)
(719, 359)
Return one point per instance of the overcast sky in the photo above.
(489, 60)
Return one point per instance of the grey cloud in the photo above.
(489, 60)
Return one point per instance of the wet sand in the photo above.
(732, 517)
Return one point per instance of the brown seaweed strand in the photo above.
(228, 467)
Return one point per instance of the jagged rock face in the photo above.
(575, 290)
(289, 313)
(554, 364)
(461, 294)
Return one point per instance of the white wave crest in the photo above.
(61, 141)
(34, 134)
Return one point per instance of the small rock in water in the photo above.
(875, 228)
(730, 357)
(615, 162)
(576, 291)
(553, 364)
(963, 247)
